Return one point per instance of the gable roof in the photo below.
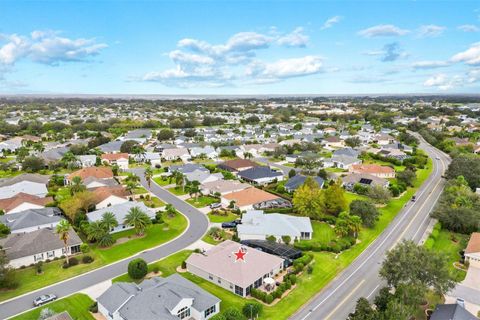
(120, 211)
(364, 178)
(28, 187)
(31, 218)
(155, 298)
(349, 152)
(188, 167)
(256, 222)
(220, 262)
(103, 193)
(112, 146)
(114, 156)
(297, 180)
(225, 185)
(451, 312)
(18, 245)
(96, 172)
(32, 177)
(372, 169)
(9, 204)
(259, 172)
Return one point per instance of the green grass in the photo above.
(202, 201)
(161, 182)
(322, 232)
(154, 202)
(178, 191)
(139, 190)
(53, 272)
(77, 306)
(154, 236)
(219, 218)
(166, 266)
(62, 194)
(451, 249)
(350, 196)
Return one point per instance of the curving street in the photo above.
(361, 279)
(197, 227)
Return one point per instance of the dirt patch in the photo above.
(181, 270)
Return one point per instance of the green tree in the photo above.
(33, 164)
(95, 231)
(292, 173)
(63, 231)
(379, 194)
(334, 199)
(467, 166)
(407, 177)
(4, 230)
(148, 175)
(165, 134)
(308, 200)
(138, 219)
(170, 210)
(233, 314)
(128, 146)
(137, 268)
(366, 211)
(77, 185)
(347, 224)
(286, 239)
(353, 142)
(109, 221)
(7, 273)
(252, 310)
(398, 311)
(363, 311)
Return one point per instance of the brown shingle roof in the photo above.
(103, 193)
(371, 169)
(474, 243)
(250, 196)
(114, 156)
(96, 172)
(9, 204)
(236, 164)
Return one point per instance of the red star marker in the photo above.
(240, 255)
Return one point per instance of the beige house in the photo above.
(472, 252)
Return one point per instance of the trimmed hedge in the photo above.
(335, 246)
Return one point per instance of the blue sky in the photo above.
(239, 47)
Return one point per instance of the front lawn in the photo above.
(217, 218)
(202, 201)
(178, 191)
(77, 306)
(153, 202)
(139, 190)
(161, 181)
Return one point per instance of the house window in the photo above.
(210, 277)
(38, 257)
(219, 280)
(210, 310)
(239, 290)
(258, 283)
(75, 249)
(51, 254)
(183, 313)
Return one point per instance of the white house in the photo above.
(175, 154)
(256, 225)
(88, 160)
(208, 151)
(170, 298)
(32, 219)
(120, 211)
(119, 159)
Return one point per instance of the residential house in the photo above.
(348, 152)
(118, 159)
(202, 176)
(32, 219)
(33, 184)
(253, 198)
(363, 179)
(88, 160)
(110, 196)
(11, 144)
(261, 175)
(176, 154)
(237, 165)
(120, 211)
(139, 135)
(152, 158)
(92, 183)
(383, 139)
(53, 155)
(24, 249)
(173, 297)
(111, 147)
(453, 311)
(333, 142)
(256, 150)
(208, 151)
(223, 186)
(23, 201)
(297, 180)
(373, 169)
(256, 225)
(187, 168)
(99, 173)
(341, 161)
(472, 252)
(219, 266)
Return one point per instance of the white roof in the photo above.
(120, 211)
(29, 187)
(256, 222)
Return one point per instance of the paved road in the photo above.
(361, 278)
(198, 225)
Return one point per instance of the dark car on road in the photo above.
(46, 298)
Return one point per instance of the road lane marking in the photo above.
(373, 291)
(345, 299)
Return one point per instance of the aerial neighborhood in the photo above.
(244, 210)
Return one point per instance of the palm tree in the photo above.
(170, 210)
(138, 219)
(148, 174)
(38, 147)
(247, 155)
(106, 240)
(194, 188)
(62, 229)
(131, 177)
(77, 185)
(179, 179)
(68, 157)
(356, 222)
(95, 231)
(130, 186)
(109, 221)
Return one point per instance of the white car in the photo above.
(46, 298)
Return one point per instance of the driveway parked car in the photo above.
(46, 298)
(229, 225)
(215, 205)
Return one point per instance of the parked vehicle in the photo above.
(229, 225)
(215, 205)
(46, 298)
(414, 198)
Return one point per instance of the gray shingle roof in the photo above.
(20, 245)
(349, 152)
(296, 181)
(259, 172)
(120, 211)
(33, 177)
(153, 298)
(31, 218)
(451, 312)
(112, 146)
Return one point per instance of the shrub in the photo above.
(73, 261)
(184, 264)
(84, 248)
(309, 269)
(304, 246)
(87, 259)
(94, 308)
(137, 268)
(233, 314)
(269, 299)
(292, 278)
(39, 266)
(429, 243)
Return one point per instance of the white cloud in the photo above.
(470, 56)
(47, 47)
(430, 31)
(429, 64)
(286, 68)
(294, 39)
(189, 58)
(330, 22)
(383, 30)
(442, 82)
(468, 28)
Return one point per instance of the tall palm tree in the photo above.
(356, 223)
(95, 231)
(130, 186)
(77, 185)
(194, 188)
(109, 221)
(138, 219)
(148, 174)
(62, 229)
(68, 157)
(170, 210)
(131, 177)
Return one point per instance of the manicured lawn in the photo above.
(53, 271)
(350, 196)
(162, 182)
(219, 218)
(154, 202)
(178, 191)
(208, 239)
(166, 266)
(338, 170)
(202, 201)
(139, 190)
(450, 244)
(154, 236)
(322, 232)
(77, 306)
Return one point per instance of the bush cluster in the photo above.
(335, 246)
(71, 262)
